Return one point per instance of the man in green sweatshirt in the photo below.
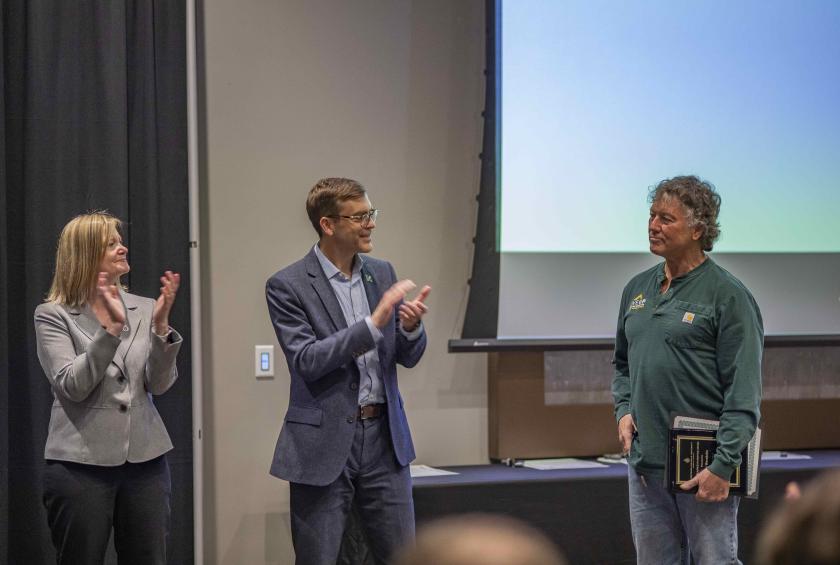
(689, 341)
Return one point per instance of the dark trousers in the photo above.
(84, 502)
(380, 488)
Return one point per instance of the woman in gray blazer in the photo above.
(105, 353)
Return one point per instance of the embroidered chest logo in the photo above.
(688, 318)
(638, 302)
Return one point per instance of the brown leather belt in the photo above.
(370, 411)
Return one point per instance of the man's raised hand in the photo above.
(385, 309)
(412, 311)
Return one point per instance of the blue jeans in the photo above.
(668, 528)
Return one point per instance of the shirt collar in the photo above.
(698, 270)
(331, 271)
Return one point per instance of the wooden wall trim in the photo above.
(522, 426)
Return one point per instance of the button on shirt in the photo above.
(354, 305)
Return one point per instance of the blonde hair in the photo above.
(81, 247)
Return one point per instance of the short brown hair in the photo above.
(326, 196)
(700, 200)
(805, 531)
(81, 246)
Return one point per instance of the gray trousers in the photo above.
(374, 482)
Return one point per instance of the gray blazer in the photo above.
(103, 412)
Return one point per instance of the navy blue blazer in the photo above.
(320, 350)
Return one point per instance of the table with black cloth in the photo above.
(585, 510)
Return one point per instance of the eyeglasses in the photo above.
(364, 219)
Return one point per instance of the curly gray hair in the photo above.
(700, 200)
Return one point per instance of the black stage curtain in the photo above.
(93, 105)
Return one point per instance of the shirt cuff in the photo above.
(414, 334)
(621, 411)
(170, 337)
(375, 332)
(722, 470)
(103, 335)
(163, 335)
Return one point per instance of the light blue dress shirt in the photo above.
(354, 305)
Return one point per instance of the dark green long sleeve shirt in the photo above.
(694, 350)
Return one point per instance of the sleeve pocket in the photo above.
(304, 415)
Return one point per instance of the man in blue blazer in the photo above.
(344, 324)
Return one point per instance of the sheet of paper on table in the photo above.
(782, 456)
(426, 471)
(612, 460)
(563, 463)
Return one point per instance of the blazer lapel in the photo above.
(325, 291)
(374, 295)
(85, 320)
(87, 323)
(134, 322)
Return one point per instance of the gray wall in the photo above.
(388, 92)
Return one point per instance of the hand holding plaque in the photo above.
(691, 449)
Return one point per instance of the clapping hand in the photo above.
(412, 311)
(108, 306)
(384, 311)
(163, 305)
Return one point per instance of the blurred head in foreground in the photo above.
(480, 539)
(805, 531)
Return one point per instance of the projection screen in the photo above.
(601, 100)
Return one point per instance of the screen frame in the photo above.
(480, 328)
